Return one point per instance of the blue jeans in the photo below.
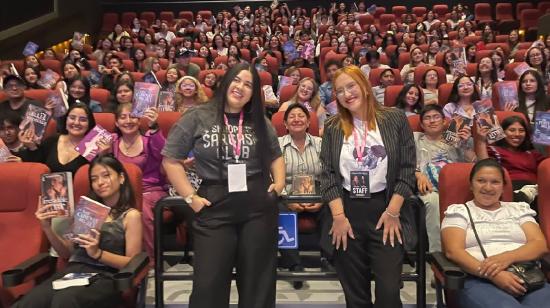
(482, 293)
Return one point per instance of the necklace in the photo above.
(125, 147)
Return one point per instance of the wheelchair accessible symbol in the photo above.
(288, 231)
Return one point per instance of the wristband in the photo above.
(391, 215)
(100, 255)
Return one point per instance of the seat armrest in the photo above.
(454, 275)
(302, 198)
(124, 279)
(18, 274)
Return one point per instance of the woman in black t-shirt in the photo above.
(235, 221)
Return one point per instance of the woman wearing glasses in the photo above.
(463, 94)
(370, 142)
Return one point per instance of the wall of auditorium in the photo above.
(68, 16)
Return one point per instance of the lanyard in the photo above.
(359, 148)
(236, 144)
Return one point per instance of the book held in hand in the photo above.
(61, 104)
(507, 94)
(458, 122)
(283, 82)
(303, 184)
(145, 97)
(89, 214)
(57, 191)
(73, 280)
(48, 80)
(167, 101)
(87, 147)
(4, 152)
(36, 119)
(485, 117)
(30, 49)
(541, 133)
(521, 68)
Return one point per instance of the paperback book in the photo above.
(303, 184)
(269, 95)
(36, 119)
(507, 94)
(4, 152)
(88, 146)
(541, 134)
(48, 80)
(61, 104)
(308, 51)
(458, 122)
(283, 82)
(521, 68)
(89, 214)
(485, 117)
(458, 63)
(57, 192)
(30, 49)
(73, 280)
(145, 97)
(166, 101)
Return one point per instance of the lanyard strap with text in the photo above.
(236, 144)
(359, 148)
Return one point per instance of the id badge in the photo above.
(236, 177)
(359, 185)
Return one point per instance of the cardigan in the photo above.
(399, 142)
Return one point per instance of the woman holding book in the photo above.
(463, 94)
(515, 153)
(531, 95)
(189, 93)
(486, 77)
(301, 154)
(58, 152)
(485, 236)
(103, 251)
(307, 94)
(79, 92)
(237, 155)
(373, 142)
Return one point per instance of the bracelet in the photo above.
(100, 255)
(391, 215)
(341, 213)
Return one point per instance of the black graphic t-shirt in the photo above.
(199, 131)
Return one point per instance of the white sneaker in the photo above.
(530, 191)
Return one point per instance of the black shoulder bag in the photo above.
(530, 272)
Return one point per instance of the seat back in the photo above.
(543, 180)
(414, 123)
(443, 93)
(482, 12)
(504, 11)
(100, 95)
(105, 120)
(166, 120)
(529, 18)
(278, 123)
(38, 94)
(287, 92)
(390, 95)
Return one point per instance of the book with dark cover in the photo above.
(541, 133)
(145, 97)
(167, 101)
(36, 119)
(57, 191)
(89, 214)
(87, 147)
(485, 117)
(48, 80)
(30, 49)
(61, 104)
(507, 93)
(303, 184)
(73, 280)
(458, 122)
(4, 151)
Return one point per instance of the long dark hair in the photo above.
(253, 110)
(91, 120)
(494, 73)
(543, 64)
(541, 101)
(487, 162)
(400, 101)
(127, 198)
(454, 98)
(526, 144)
(86, 98)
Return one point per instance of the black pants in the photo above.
(238, 229)
(291, 257)
(100, 293)
(367, 257)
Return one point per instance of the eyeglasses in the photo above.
(350, 88)
(465, 85)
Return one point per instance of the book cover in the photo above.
(145, 97)
(458, 122)
(95, 77)
(36, 119)
(458, 63)
(30, 49)
(541, 133)
(485, 117)
(73, 280)
(4, 151)
(87, 147)
(269, 95)
(283, 82)
(89, 214)
(151, 78)
(166, 101)
(507, 94)
(521, 68)
(13, 70)
(61, 104)
(308, 51)
(57, 191)
(48, 80)
(303, 184)
(289, 50)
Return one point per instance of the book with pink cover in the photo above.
(61, 104)
(87, 147)
(308, 51)
(57, 191)
(521, 68)
(507, 93)
(145, 97)
(48, 80)
(4, 152)
(89, 214)
(36, 119)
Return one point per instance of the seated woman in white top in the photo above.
(508, 233)
(429, 84)
(307, 94)
(416, 59)
(486, 76)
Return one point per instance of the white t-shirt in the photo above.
(374, 160)
(498, 230)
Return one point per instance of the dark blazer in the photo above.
(400, 148)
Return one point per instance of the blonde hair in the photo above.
(315, 100)
(148, 64)
(370, 107)
(199, 97)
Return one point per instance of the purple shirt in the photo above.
(149, 160)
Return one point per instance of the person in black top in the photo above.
(14, 87)
(235, 221)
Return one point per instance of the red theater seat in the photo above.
(390, 95)
(287, 92)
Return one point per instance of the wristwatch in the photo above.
(189, 199)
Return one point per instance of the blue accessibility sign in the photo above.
(288, 231)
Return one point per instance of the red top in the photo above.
(522, 166)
